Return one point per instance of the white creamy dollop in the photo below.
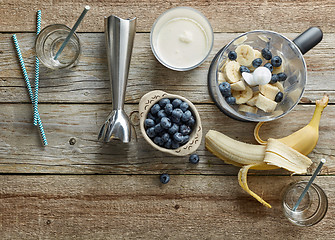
(260, 76)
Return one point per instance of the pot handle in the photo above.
(308, 39)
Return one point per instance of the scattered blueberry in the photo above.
(244, 69)
(266, 54)
(279, 97)
(159, 141)
(165, 137)
(151, 132)
(194, 158)
(178, 137)
(166, 123)
(164, 178)
(161, 113)
(174, 145)
(257, 62)
(276, 61)
(173, 129)
(186, 116)
(225, 89)
(269, 66)
(183, 106)
(163, 102)
(232, 55)
(191, 122)
(148, 123)
(168, 108)
(274, 78)
(158, 128)
(177, 113)
(231, 100)
(185, 130)
(176, 102)
(168, 143)
(282, 76)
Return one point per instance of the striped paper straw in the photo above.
(25, 75)
(37, 70)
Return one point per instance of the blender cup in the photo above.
(294, 64)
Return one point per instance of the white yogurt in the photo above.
(181, 38)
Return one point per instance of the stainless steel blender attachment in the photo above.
(120, 35)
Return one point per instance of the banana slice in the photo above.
(238, 86)
(269, 91)
(253, 100)
(221, 78)
(265, 104)
(242, 96)
(245, 55)
(279, 85)
(248, 109)
(232, 72)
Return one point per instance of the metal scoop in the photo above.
(120, 35)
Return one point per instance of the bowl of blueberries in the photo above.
(170, 123)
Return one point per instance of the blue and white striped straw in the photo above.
(37, 70)
(25, 75)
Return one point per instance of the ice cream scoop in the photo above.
(260, 76)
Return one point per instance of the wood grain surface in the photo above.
(79, 188)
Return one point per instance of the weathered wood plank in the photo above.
(21, 150)
(88, 82)
(225, 16)
(139, 207)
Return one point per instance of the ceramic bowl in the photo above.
(148, 100)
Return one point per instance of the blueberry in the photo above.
(176, 102)
(178, 137)
(159, 141)
(274, 78)
(151, 132)
(276, 61)
(155, 108)
(175, 120)
(168, 143)
(174, 145)
(279, 97)
(282, 76)
(177, 113)
(244, 69)
(149, 123)
(173, 129)
(158, 128)
(163, 102)
(266, 54)
(257, 62)
(185, 130)
(165, 137)
(168, 108)
(191, 122)
(186, 116)
(183, 106)
(161, 114)
(166, 123)
(230, 100)
(269, 66)
(232, 55)
(225, 89)
(151, 116)
(164, 178)
(185, 139)
(194, 158)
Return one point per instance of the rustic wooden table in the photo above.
(78, 188)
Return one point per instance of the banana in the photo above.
(258, 157)
(238, 86)
(265, 104)
(242, 96)
(245, 55)
(248, 109)
(231, 71)
(305, 139)
(252, 102)
(221, 78)
(269, 91)
(279, 85)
